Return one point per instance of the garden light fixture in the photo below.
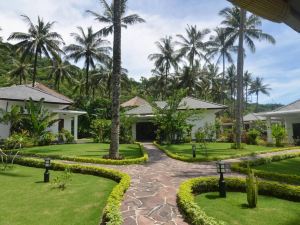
(47, 166)
(194, 151)
(222, 168)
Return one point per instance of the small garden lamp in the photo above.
(194, 150)
(47, 166)
(222, 168)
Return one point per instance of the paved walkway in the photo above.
(151, 198)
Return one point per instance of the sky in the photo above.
(277, 64)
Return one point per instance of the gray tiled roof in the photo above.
(25, 92)
(252, 117)
(186, 103)
(292, 106)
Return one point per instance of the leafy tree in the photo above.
(89, 47)
(14, 118)
(38, 41)
(107, 17)
(21, 69)
(257, 86)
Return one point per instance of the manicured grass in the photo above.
(89, 150)
(26, 200)
(234, 211)
(287, 166)
(215, 150)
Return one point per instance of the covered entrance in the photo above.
(145, 131)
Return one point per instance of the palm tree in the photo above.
(247, 80)
(213, 78)
(108, 17)
(193, 45)
(221, 47)
(90, 47)
(167, 57)
(257, 86)
(246, 29)
(14, 118)
(20, 69)
(60, 70)
(38, 41)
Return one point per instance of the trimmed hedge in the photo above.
(111, 212)
(196, 216)
(191, 159)
(140, 160)
(284, 178)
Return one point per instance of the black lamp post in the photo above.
(47, 166)
(194, 151)
(221, 169)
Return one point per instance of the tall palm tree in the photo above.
(231, 83)
(108, 17)
(221, 47)
(257, 86)
(60, 70)
(247, 80)
(115, 79)
(213, 77)
(21, 69)
(167, 57)
(193, 45)
(89, 47)
(38, 41)
(246, 29)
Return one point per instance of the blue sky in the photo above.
(278, 65)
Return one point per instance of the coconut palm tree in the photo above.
(21, 69)
(247, 80)
(89, 47)
(39, 40)
(245, 29)
(221, 47)
(193, 45)
(107, 17)
(258, 86)
(167, 57)
(60, 70)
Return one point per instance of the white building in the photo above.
(53, 102)
(145, 129)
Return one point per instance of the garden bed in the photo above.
(215, 151)
(196, 213)
(90, 153)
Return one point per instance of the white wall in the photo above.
(288, 122)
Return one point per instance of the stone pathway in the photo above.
(151, 198)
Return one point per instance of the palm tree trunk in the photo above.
(256, 110)
(34, 68)
(116, 88)
(223, 81)
(20, 81)
(87, 78)
(240, 72)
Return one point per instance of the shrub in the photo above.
(61, 181)
(253, 134)
(101, 130)
(46, 139)
(18, 141)
(279, 133)
(251, 188)
(65, 136)
(234, 146)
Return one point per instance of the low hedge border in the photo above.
(196, 216)
(191, 159)
(111, 212)
(139, 160)
(284, 178)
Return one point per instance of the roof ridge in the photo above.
(213, 103)
(282, 107)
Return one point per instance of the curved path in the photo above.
(151, 198)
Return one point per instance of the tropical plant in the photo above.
(251, 188)
(14, 118)
(193, 45)
(253, 134)
(101, 130)
(279, 134)
(167, 58)
(89, 47)
(107, 17)
(246, 29)
(257, 86)
(21, 69)
(38, 41)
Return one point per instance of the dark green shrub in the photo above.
(101, 130)
(65, 136)
(253, 135)
(46, 139)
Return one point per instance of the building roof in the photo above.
(134, 102)
(253, 117)
(292, 106)
(186, 103)
(280, 11)
(39, 91)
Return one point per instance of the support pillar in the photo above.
(76, 128)
(269, 130)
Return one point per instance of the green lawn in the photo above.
(287, 166)
(26, 200)
(215, 150)
(89, 150)
(233, 210)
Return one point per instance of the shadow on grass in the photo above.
(11, 174)
(212, 196)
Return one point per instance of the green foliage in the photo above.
(60, 182)
(253, 135)
(47, 138)
(18, 141)
(14, 117)
(251, 188)
(126, 128)
(279, 133)
(101, 130)
(65, 137)
(234, 146)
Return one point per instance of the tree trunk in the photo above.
(34, 68)
(116, 76)
(223, 81)
(240, 72)
(87, 78)
(256, 110)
